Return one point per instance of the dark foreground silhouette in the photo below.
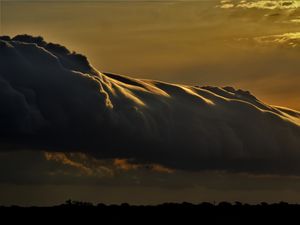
(167, 213)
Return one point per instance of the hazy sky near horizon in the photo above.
(252, 44)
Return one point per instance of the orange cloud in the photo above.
(123, 164)
(161, 169)
(82, 162)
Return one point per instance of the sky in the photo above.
(251, 45)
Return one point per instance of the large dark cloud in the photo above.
(52, 99)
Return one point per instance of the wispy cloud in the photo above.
(85, 165)
(226, 4)
(295, 20)
(126, 165)
(260, 4)
(288, 39)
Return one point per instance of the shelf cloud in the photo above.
(53, 100)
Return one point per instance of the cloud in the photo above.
(260, 4)
(126, 165)
(58, 168)
(38, 167)
(34, 170)
(85, 165)
(296, 20)
(288, 39)
(226, 4)
(53, 100)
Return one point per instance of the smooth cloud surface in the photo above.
(52, 99)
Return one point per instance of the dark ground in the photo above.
(168, 213)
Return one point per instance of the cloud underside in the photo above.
(54, 100)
